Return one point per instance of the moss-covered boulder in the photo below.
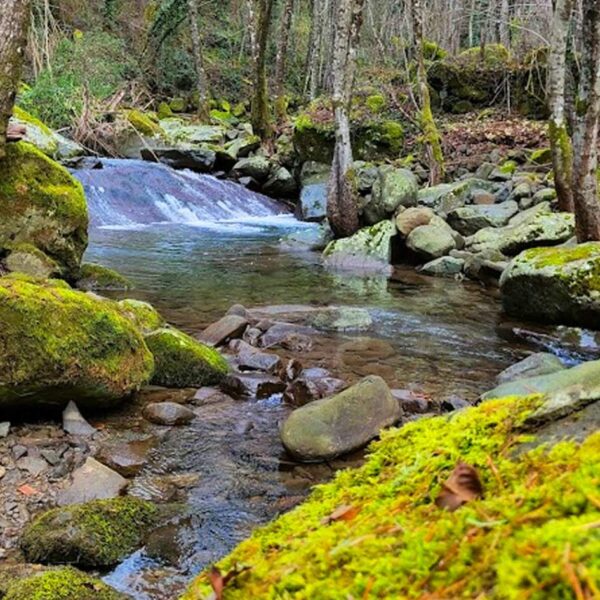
(43, 205)
(93, 277)
(393, 188)
(144, 123)
(36, 132)
(61, 584)
(29, 260)
(445, 197)
(91, 535)
(59, 344)
(377, 532)
(142, 314)
(556, 285)
(181, 361)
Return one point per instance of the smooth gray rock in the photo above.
(540, 363)
(342, 319)
(445, 266)
(74, 423)
(433, 240)
(227, 328)
(256, 167)
(249, 358)
(167, 413)
(467, 220)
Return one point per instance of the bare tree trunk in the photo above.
(14, 22)
(587, 203)
(431, 135)
(252, 26)
(281, 60)
(504, 24)
(562, 151)
(261, 112)
(342, 206)
(201, 78)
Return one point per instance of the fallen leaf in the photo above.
(218, 581)
(27, 490)
(462, 486)
(346, 512)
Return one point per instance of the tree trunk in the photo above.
(14, 23)
(560, 142)
(261, 112)
(431, 135)
(504, 25)
(585, 139)
(342, 206)
(316, 38)
(281, 60)
(201, 78)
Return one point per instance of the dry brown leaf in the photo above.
(346, 512)
(27, 490)
(462, 486)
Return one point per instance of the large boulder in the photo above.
(200, 159)
(557, 285)
(337, 425)
(58, 344)
(93, 277)
(313, 195)
(181, 361)
(36, 132)
(281, 184)
(43, 205)
(540, 363)
(445, 197)
(95, 534)
(432, 240)
(468, 220)
(392, 189)
(370, 249)
(257, 167)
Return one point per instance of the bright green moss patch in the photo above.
(181, 361)
(61, 584)
(536, 524)
(99, 533)
(142, 314)
(143, 124)
(97, 277)
(557, 257)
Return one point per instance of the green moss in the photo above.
(495, 55)
(58, 343)
(42, 204)
(99, 533)
(181, 361)
(96, 277)
(508, 167)
(164, 111)
(541, 156)
(512, 543)
(433, 51)
(178, 105)
(556, 257)
(142, 314)
(25, 117)
(143, 124)
(375, 103)
(61, 584)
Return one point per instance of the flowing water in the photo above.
(193, 246)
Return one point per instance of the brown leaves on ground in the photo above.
(346, 512)
(461, 487)
(219, 582)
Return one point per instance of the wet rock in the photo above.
(540, 363)
(249, 358)
(306, 389)
(291, 370)
(342, 319)
(281, 184)
(445, 266)
(228, 328)
(411, 218)
(252, 336)
(411, 402)
(198, 158)
(313, 196)
(209, 395)
(163, 544)
(92, 535)
(74, 423)
(313, 238)
(168, 413)
(238, 310)
(126, 458)
(393, 188)
(433, 240)
(256, 167)
(453, 403)
(288, 335)
(334, 426)
(555, 285)
(446, 197)
(4, 429)
(92, 481)
(252, 385)
(470, 219)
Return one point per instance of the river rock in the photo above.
(445, 197)
(337, 425)
(94, 277)
(392, 188)
(228, 328)
(287, 335)
(558, 285)
(413, 217)
(250, 358)
(412, 402)
(74, 423)
(181, 361)
(310, 238)
(342, 319)
(256, 167)
(540, 363)
(142, 314)
(92, 481)
(167, 413)
(34, 465)
(36, 132)
(445, 266)
(252, 385)
(281, 184)
(60, 344)
(467, 220)
(27, 259)
(313, 195)
(95, 534)
(4, 429)
(306, 389)
(126, 458)
(368, 250)
(433, 240)
(197, 158)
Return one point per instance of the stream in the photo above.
(194, 246)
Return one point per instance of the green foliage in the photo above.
(95, 61)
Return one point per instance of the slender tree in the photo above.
(314, 49)
(560, 142)
(342, 206)
(14, 23)
(281, 59)
(201, 78)
(585, 135)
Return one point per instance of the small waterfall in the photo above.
(131, 193)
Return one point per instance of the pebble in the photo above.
(4, 429)
(74, 423)
(167, 413)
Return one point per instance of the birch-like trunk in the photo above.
(281, 58)
(504, 24)
(560, 142)
(585, 139)
(14, 23)
(201, 78)
(342, 206)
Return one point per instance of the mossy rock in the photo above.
(29, 260)
(144, 123)
(178, 105)
(43, 205)
(61, 584)
(93, 277)
(142, 314)
(37, 133)
(181, 361)
(59, 344)
(164, 111)
(95, 534)
(541, 156)
(377, 532)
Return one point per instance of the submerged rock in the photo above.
(337, 425)
(92, 535)
(94, 277)
(342, 318)
(557, 285)
(445, 266)
(168, 413)
(126, 458)
(181, 361)
(58, 343)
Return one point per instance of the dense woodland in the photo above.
(299, 299)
